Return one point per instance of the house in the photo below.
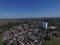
(52, 27)
(57, 34)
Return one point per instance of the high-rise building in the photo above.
(44, 25)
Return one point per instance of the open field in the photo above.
(1, 43)
(53, 41)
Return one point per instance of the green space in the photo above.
(1, 42)
(12, 44)
(7, 26)
(53, 41)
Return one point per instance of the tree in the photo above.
(12, 44)
(47, 37)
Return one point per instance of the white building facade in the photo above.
(44, 25)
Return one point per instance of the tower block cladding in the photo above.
(44, 25)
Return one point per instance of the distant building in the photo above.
(52, 27)
(44, 25)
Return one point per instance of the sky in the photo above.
(29, 8)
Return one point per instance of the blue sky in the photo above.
(29, 8)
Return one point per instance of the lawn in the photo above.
(53, 41)
(1, 42)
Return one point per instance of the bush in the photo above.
(12, 44)
(47, 32)
(47, 37)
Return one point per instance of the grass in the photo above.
(1, 42)
(53, 41)
(12, 44)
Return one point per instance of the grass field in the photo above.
(1, 42)
(53, 41)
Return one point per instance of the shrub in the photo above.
(47, 37)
